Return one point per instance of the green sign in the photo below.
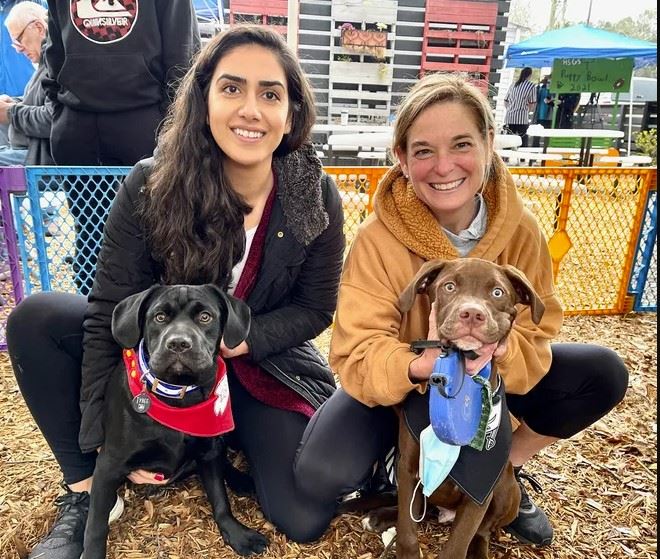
(575, 75)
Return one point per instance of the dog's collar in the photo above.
(210, 418)
(418, 346)
(154, 384)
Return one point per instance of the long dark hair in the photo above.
(525, 73)
(193, 216)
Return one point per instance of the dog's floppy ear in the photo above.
(526, 293)
(128, 317)
(420, 283)
(237, 325)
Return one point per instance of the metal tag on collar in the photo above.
(142, 402)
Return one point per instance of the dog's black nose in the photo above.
(179, 344)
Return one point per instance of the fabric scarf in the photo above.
(210, 418)
(411, 221)
(261, 385)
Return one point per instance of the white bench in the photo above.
(520, 155)
(372, 155)
(626, 161)
(531, 156)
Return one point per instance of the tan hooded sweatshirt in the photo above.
(370, 343)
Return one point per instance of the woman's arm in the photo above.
(366, 351)
(313, 295)
(124, 267)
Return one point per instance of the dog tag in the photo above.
(141, 403)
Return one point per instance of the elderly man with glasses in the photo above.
(30, 118)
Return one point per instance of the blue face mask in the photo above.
(436, 459)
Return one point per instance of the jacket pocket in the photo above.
(108, 83)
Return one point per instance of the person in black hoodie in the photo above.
(235, 196)
(113, 67)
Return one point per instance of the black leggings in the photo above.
(44, 336)
(300, 468)
(520, 130)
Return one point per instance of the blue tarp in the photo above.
(579, 41)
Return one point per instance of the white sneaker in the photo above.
(117, 510)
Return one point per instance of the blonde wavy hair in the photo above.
(446, 88)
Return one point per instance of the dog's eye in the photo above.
(205, 317)
(497, 292)
(449, 286)
(160, 317)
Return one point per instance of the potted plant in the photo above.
(364, 41)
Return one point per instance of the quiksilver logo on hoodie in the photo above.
(104, 21)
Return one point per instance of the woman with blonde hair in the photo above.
(450, 196)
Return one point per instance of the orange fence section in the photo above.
(592, 219)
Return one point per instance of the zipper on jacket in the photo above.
(292, 381)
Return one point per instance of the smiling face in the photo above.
(446, 158)
(248, 107)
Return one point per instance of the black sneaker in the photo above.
(65, 540)
(377, 491)
(531, 526)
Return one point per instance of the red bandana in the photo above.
(208, 419)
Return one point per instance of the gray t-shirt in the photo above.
(468, 238)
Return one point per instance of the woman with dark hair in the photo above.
(520, 101)
(234, 195)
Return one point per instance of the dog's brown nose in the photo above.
(471, 315)
(179, 344)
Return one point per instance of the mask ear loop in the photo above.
(410, 508)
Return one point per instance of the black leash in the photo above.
(418, 346)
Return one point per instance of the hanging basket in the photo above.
(372, 43)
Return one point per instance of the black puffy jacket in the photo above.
(293, 299)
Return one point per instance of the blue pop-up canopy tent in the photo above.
(579, 41)
(209, 10)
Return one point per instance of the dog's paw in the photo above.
(245, 541)
(380, 520)
(446, 516)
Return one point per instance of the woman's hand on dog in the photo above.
(240, 349)
(420, 369)
(142, 477)
(486, 353)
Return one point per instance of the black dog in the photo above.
(180, 327)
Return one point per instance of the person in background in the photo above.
(568, 104)
(113, 70)
(520, 101)
(15, 70)
(544, 107)
(30, 119)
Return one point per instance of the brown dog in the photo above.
(475, 301)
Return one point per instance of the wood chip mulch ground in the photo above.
(600, 488)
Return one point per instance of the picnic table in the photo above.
(586, 136)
